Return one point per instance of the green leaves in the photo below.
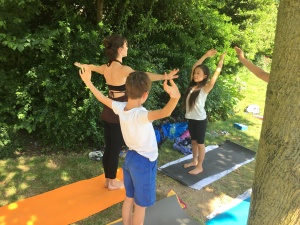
(40, 40)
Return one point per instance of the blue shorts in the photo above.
(140, 178)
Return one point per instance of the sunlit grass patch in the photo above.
(26, 176)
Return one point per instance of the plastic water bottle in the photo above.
(172, 131)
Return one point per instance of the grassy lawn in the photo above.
(27, 176)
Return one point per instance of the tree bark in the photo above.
(276, 188)
(99, 10)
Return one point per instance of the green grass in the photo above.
(27, 176)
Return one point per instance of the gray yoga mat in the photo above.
(226, 157)
(167, 211)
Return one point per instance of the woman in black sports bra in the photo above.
(115, 74)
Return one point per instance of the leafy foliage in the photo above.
(256, 20)
(40, 40)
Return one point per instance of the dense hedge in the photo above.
(42, 94)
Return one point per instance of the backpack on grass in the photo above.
(160, 137)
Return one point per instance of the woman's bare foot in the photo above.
(196, 171)
(187, 165)
(114, 184)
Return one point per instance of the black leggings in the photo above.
(113, 144)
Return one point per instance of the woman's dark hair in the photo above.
(198, 87)
(112, 44)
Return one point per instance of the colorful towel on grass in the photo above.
(64, 205)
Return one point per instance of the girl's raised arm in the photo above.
(209, 86)
(208, 54)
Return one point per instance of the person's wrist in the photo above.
(87, 83)
(175, 95)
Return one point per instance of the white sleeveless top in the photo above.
(198, 112)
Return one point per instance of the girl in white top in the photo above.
(194, 101)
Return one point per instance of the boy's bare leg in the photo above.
(127, 211)
(198, 169)
(195, 151)
(114, 184)
(138, 215)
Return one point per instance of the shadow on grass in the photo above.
(25, 176)
(201, 203)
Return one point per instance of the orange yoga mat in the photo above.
(63, 205)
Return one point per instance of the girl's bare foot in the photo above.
(196, 171)
(115, 184)
(187, 165)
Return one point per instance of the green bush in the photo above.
(41, 91)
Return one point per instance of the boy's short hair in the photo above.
(137, 83)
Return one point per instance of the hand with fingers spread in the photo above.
(85, 74)
(171, 75)
(172, 89)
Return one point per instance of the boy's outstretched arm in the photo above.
(166, 111)
(211, 83)
(257, 71)
(169, 76)
(85, 74)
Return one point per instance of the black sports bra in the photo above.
(112, 88)
(115, 89)
(113, 60)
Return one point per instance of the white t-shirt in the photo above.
(198, 111)
(137, 130)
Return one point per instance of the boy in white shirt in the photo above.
(140, 164)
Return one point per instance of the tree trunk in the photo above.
(99, 10)
(276, 187)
